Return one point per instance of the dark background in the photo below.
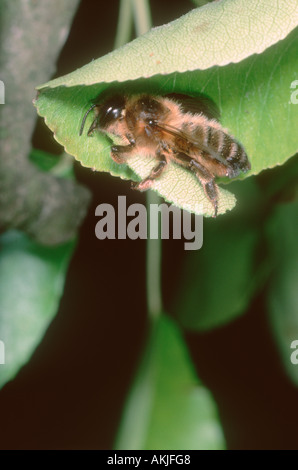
(71, 394)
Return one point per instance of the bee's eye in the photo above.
(111, 111)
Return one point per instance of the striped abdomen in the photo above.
(217, 148)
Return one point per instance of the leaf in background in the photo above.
(222, 49)
(31, 284)
(168, 408)
(219, 280)
(282, 295)
(43, 160)
(59, 165)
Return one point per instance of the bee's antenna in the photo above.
(85, 117)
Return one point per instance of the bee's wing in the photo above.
(188, 138)
(196, 105)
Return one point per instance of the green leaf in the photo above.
(43, 160)
(192, 42)
(282, 295)
(219, 280)
(241, 54)
(59, 165)
(31, 284)
(167, 407)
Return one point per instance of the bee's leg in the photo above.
(205, 177)
(154, 174)
(120, 153)
(207, 181)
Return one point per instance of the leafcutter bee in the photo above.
(173, 128)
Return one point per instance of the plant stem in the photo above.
(153, 263)
(142, 19)
(142, 16)
(140, 11)
(124, 25)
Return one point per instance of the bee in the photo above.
(173, 128)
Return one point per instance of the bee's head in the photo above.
(110, 111)
(106, 113)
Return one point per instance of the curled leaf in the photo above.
(241, 54)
